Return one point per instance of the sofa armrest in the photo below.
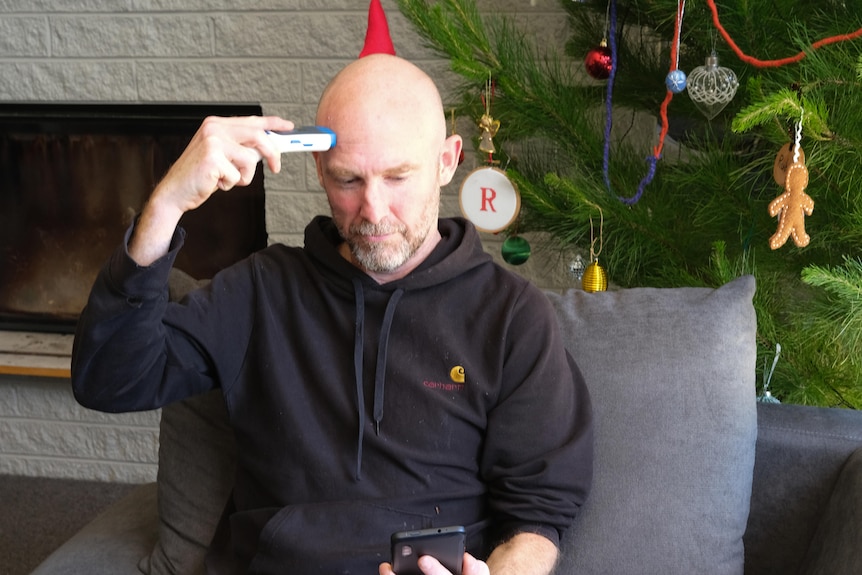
(113, 543)
(836, 548)
(800, 453)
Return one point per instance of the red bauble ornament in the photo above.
(599, 62)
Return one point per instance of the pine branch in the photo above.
(843, 307)
(703, 219)
(786, 105)
(454, 30)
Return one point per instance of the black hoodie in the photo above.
(360, 409)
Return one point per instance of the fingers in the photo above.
(430, 566)
(238, 165)
(249, 132)
(473, 566)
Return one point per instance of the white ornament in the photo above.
(489, 199)
(711, 87)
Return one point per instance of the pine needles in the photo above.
(703, 220)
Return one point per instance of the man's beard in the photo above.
(388, 256)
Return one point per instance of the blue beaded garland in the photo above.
(675, 81)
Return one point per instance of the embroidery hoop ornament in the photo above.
(489, 199)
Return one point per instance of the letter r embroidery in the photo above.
(488, 197)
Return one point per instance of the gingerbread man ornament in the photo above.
(791, 207)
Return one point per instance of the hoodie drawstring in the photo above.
(358, 354)
(358, 350)
(382, 349)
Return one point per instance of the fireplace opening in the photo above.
(73, 177)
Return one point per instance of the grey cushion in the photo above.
(197, 461)
(837, 545)
(197, 468)
(672, 377)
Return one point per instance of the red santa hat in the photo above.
(377, 39)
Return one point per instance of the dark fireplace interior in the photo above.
(72, 178)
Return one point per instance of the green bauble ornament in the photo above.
(516, 250)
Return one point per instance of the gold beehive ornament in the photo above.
(595, 278)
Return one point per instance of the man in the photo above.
(387, 376)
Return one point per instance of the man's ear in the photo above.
(449, 158)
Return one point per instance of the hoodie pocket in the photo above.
(343, 537)
(332, 538)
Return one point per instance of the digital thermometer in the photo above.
(304, 139)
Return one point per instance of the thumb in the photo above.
(473, 566)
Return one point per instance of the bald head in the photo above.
(382, 92)
(383, 176)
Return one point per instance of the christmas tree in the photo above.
(691, 207)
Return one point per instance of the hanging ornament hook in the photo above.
(594, 254)
(767, 397)
(797, 138)
(487, 123)
(607, 21)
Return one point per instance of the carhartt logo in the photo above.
(457, 374)
(443, 386)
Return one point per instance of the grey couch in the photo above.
(693, 475)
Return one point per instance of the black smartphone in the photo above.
(446, 544)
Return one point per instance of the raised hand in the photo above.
(223, 153)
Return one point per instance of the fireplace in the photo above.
(72, 178)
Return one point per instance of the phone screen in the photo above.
(446, 544)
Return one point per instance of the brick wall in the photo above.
(278, 53)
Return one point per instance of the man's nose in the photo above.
(375, 202)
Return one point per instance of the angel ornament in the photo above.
(489, 127)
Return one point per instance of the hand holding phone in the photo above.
(446, 544)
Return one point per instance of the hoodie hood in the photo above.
(458, 251)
